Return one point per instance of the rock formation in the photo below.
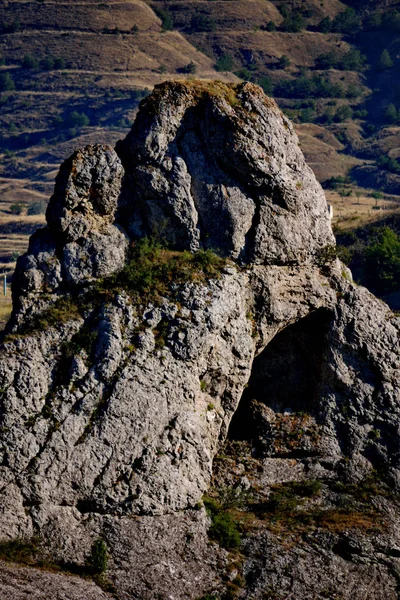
(238, 357)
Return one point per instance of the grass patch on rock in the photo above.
(153, 270)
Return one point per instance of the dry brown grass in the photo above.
(5, 309)
(351, 212)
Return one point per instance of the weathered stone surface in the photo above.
(86, 192)
(219, 167)
(24, 583)
(112, 414)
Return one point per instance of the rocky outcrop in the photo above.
(127, 366)
(219, 167)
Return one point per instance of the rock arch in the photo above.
(279, 407)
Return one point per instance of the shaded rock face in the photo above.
(113, 405)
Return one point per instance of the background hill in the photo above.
(74, 72)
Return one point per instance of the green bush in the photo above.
(59, 63)
(190, 68)
(153, 269)
(167, 21)
(19, 550)
(383, 261)
(385, 61)
(76, 119)
(17, 208)
(202, 23)
(224, 63)
(294, 22)
(304, 86)
(391, 114)
(6, 82)
(30, 62)
(37, 208)
(267, 85)
(325, 25)
(97, 562)
(48, 63)
(343, 113)
(347, 21)
(283, 62)
(270, 26)
(224, 528)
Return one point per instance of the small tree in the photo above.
(77, 119)
(294, 22)
(391, 113)
(325, 25)
(224, 63)
(270, 26)
(343, 113)
(190, 68)
(200, 22)
(17, 208)
(48, 63)
(6, 82)
(59, 63)
(283, 62)
(37, 208)
(98, 558)
(30, 62)
(385, 61)
(267, 85)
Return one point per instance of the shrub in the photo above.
(153, 269)
(391, 20)
(97, 562)
(343, 113)
(391, 114)
(48, 63)
(383, 261)
(6, 82)
(293, 22)
(306, 87)
(59, 63)
(267, 85)
(224, 529)
(200, 22)
(325, 25)
(244, 73)
(30, 62)
(167, 21)
(17, 208)
(283, 62)
(347, 21)
(189, 68)
(76, 119)
(353, 60)
(19, 550)
(307, 115)
(270, 26)
(385, 61)
(224, 63)
(389, 164)
(328, 60)
(37, 208)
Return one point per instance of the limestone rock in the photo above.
(114, 405)
(220, 167)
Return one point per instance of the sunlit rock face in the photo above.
(115, 399)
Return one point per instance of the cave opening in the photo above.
(279, 407)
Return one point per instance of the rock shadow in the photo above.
(278, 410)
